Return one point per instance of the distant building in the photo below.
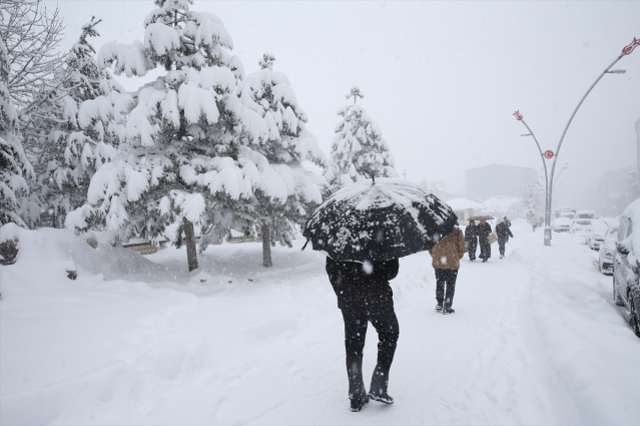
(616, 190)
(497, 180)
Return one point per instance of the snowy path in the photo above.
(478, 367)
(535, 340)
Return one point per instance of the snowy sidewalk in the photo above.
(535, 339)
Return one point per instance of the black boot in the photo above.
(357, 392)
(379, 383)
(357, 404)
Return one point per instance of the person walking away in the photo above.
(504, 232)
(471, 239)
(364, 295)
(446, 257)
(484, 230)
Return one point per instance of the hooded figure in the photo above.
(364, 295)
(446, 257)
(503, 232)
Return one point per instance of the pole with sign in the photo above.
(546, 154)
(625, 51)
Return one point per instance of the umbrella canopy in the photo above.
(480, 217)
(384, 220)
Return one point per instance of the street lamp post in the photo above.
(520, 118)
(547, 217)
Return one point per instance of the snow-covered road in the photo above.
(535, 339)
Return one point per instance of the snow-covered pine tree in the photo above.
(79, 123)
(181, 162)
(14, 165)
(358, 151)
(287, 192)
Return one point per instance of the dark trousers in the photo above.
(485, 249)
(471, 247)
(502, 241)
(446, 278)
(355, 331)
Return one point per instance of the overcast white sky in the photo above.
(442, 79)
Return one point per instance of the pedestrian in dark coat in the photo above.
(364, 295)
(484, 230)
(471, 239)
(446, 262)
(503, 232)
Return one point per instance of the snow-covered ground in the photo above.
(535, 339)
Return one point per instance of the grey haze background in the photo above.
(442, 79)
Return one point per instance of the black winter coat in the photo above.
(359, 290)
(484, 230)
(502, 230)
(471, 233)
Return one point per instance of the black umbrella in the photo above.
(378, 221)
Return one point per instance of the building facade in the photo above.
(616, 190)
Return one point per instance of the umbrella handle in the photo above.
(305, 244)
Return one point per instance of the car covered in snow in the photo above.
(608, 250)
(626, 264)
(562, 224)
(582, 221)
(594, 235)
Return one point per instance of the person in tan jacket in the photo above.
(446, 262)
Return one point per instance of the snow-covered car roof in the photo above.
(599, 226)
(633, 212)
(563, 221)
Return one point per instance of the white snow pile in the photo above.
(503, 206)
(535, 339)
(458, 204)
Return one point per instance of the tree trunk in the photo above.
(266, 247)
(192, 258)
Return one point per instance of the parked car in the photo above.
(594, 235)
(608, 249)
(569, 212)
(583, 220)
(562, 224)
(626, 264)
